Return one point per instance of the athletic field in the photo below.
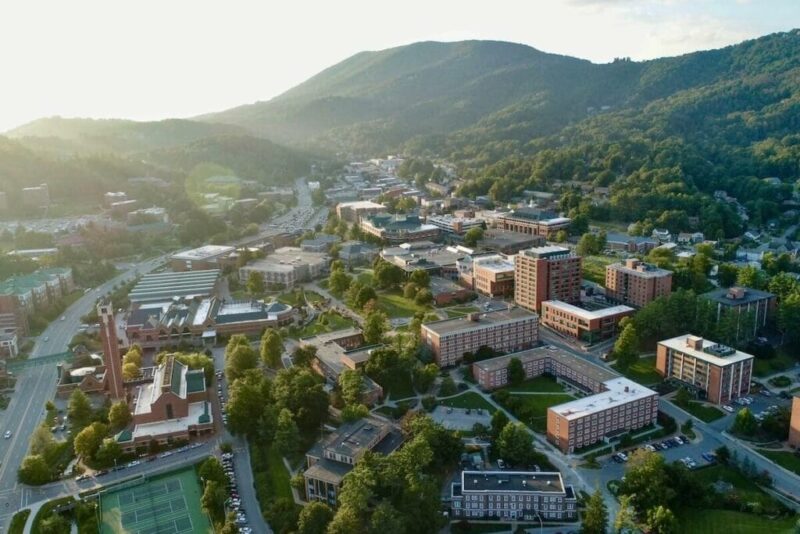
(166, 504)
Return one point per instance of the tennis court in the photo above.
(167, 504)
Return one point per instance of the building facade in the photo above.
(546, 273)
(794, 423)
(585, 325)
(716, 372)
(512, 496)
(397, 229)
(202, 258)
(507, 330)
(753, 308)
(287, 266)
(354, 211)
(637, 283)
(534, 222)
(493, 275)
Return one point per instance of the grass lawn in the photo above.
(400, 387)
(364, 276)
(780, 362)
(278, 476)
(460, 311)
(469, 399)
(396, 305)
(18, 522)
(789, 460)
(545, 384)
(643, 371)
(594, 268)
(332, 322)
(532, 409)
(704, 412)
(730, 522)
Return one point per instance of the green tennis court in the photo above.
(167, 504)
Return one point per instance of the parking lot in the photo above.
(460, 418)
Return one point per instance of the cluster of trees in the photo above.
(421, 171)
(418, 287)
(774, 425)
(132, 362)
(591, 244)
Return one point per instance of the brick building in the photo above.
(492, 275)
(546, 273)
(590, 326)
(794, 423)
(533, 221)
(753, 308)
(716, 372)
(506, 330)
(354, 211)
(637, 283)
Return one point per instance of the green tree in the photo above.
(130, 371)
(751, 277)
(108, 452)
(255, 283)
(246, 406)
(119, 415)
(661, 520)
(595, 518)
(410, 290)
(241, 359)
(211, 469)
(364, 295)
(271, 348)
(789, 317)
(314, 518)
(375, 325)
(588, 245)
(346, 521)
(472, 236)
(727, 274)
(626, 348)
(304, 355)
(213, 501)
(448, 387)
(339, 282)
(646, 481)
(625, 521)
(34, 470)
(79, 411)
(301, 391)
(424, 297)
(421, 278)
(386, 520)
(516, 372)
(745, 423)
(351, 385)
(515, 444)
(424, 377)
(42, 440)
(89, 439)
(55, 524)
(499, 422)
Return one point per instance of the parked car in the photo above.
(728, 408)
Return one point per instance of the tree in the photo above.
(375, 325)
(88, 440)
(130, 371)
(410, 290)
(515, 444)
(595, 518)
(626, 346)
(516, 373)
(55, 523)
(425, 376)
(682, 397)
(314, 518)
(472, 236)
(34, 470)
(723, 454)
(255, 283)
(346, 521)
(351, 385)
(745, 423)
(79, 410)
(213, 500)
(354, 412)
(661, 520)
(727, 274)
(301, 391)
(387, 275)
(646, 481)
(421, 278)
(339, 282)
(448, 387)
(211, 469)
(625, 521)
(588, 245)
(119, 415)
(386, 520)
(303, 356)
(42, 440)
(239, 360)
(499, 422)
(364, 295)
(424, 297)
(134, 355)
(108, 452)
(789, 317)
(246, 406)
(271, 347)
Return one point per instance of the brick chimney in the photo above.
(111, 357)
(694, 342)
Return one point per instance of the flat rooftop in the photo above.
(203, 253)
(516, 481)
(710, 352)
(199, 413)
(360, 204)
(501, 238)
(642, 270)
(353, 438)
(286, 258)
(494, 263)
(482, 320)
(165, 286)
(619, 391)
(579, 365)
(548, 251)
(743, 295)
(589, 315)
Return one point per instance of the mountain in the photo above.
(443, 96)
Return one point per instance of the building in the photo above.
(533, 221)
(21, 296)
(320, 243)
(454, 225)
(567, 368)
(637, 283)
(287, 266)
(437, 260)
(174, 406)
(512, 496)
(111, 197)
(589, 326)
(147, 218)
(623, 406)
(491, 275)
(341, 351)
(753, 308)
(630, 243)
(112, 379)
(794, 423)
(9, 347)
(546, 273)
(508, 242)
(446, 291)
(715, 372)
(354, 211)
(399, 228)
(508, 330)
(356, 252)
(202, 258)
(36, 197)
(161, 287)
(334, 456)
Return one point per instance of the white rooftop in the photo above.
(204, 252)
(495, 263)
(361, 204)
(620, 391)
(589, 314)
(168, 426)
(679, 344)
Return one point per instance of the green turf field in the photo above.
(167, 504)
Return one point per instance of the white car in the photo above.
(7, 434)
(728, 408)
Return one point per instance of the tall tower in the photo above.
(111, 358)
(546, 273)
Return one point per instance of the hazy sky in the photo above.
(149, 60)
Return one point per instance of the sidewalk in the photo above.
(34, 508)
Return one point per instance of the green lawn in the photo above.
(544, 384)
(328, 321)
(532, 409)
(278, 476)
(396, 305)
(460, 311)
(400, 387)
(704, 412)
(18, 522)
(469, 399)
(729, 522)
(789, 460)
(594, 268)
(780, 362)
(643, 371)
